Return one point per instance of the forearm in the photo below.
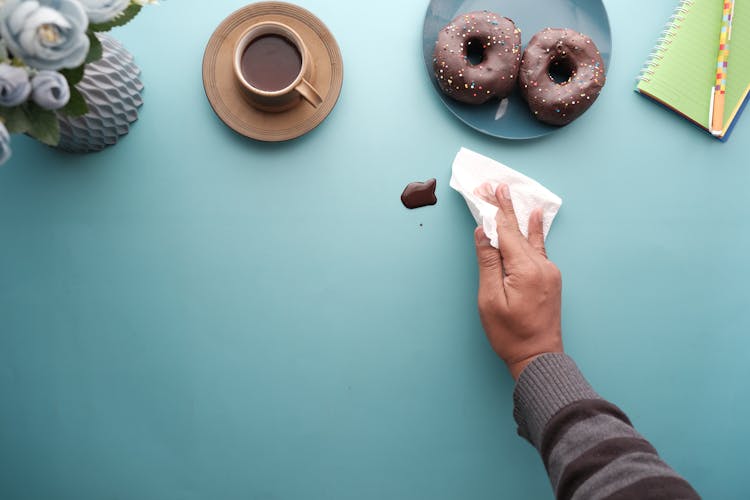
(589, 446)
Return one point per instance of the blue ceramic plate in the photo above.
(516, 121)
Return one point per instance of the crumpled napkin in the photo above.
(476, 177)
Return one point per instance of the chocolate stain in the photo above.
(419, 194)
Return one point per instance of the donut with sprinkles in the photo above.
(477, 57)
(562, 74)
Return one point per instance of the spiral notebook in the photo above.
(682, 68)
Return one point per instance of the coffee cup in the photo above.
(274, 68)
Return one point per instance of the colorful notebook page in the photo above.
(682, 70)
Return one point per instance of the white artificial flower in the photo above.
(102, 11)
(50, 90)
(45, 34)
(15, 86)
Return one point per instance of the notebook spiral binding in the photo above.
(664, 40)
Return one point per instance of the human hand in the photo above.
(520, 290)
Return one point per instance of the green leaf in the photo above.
(96, 51)
(44, 125)
(76, 105)
(74, 75)
(121, 20)
(16, 119)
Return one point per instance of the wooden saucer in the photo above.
(226, 95)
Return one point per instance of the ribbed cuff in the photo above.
(547, 385)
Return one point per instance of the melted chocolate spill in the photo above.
(419, 194)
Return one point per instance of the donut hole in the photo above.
(474, 51)
(561, 71)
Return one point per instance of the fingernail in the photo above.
(505, 191)
(540, 216)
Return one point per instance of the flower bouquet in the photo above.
(44, 47)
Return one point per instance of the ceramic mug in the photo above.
(289, 96)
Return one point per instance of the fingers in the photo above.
(509, 236)
(487, 193)
(490, 266)
(536, 232)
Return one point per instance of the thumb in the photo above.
(490, 265)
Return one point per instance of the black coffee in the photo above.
(271, 63)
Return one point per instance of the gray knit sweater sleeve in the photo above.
(589, 447)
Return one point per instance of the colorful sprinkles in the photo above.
(560, 103)
(495, 74)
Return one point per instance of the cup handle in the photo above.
(309, 93)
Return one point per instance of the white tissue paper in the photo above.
(472, 173)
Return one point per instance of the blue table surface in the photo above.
(194, 315)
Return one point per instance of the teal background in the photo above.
(194, 315)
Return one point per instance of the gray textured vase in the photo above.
(112, 89)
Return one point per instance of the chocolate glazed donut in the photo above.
(561, 75)
(477, 57)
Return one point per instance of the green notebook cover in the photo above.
(682, 69)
